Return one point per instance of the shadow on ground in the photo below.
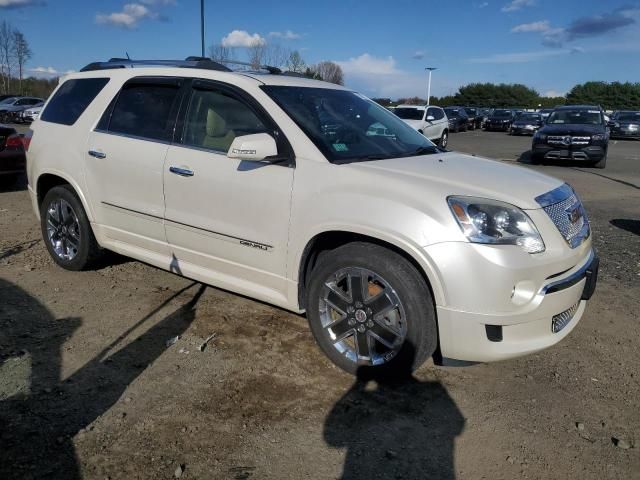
(632, 226)
(395, 428)
(39, 413)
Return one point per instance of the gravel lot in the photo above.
(90, 389)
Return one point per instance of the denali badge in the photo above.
(247, 243)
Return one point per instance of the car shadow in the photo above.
(632, 226)
(395, 428)
(18, 248)
(39, 413)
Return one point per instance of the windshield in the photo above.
(8, 100)
(471, 111)
(528, 117)
(576, 117)
(452, 112)
(501, 113)
(628, 117)
(347, 126)
(409, 113)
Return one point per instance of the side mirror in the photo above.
(254, 148)
(430, 118)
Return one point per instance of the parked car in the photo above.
(475, 117)
(395, 249)
(500, 119)
(573, 132)
(526, 123)
(29, 114)
(429, 120)
(11, 106)
(12, 157)
(458, 119)
(545, 112)
(625, 124)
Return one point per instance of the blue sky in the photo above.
(382, 46)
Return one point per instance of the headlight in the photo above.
(597, 137)
(539, 136)
(493, 222)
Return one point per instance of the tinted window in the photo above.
(215, 118)
(72, 99)
(145, 110)
(436, 113)
(409, 113)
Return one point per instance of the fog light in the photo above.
(561, 320)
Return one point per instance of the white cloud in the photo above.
(381, 77)
(541, 26)
(242, 38)
(517, 5)
(419, 55)
(483, 5)
(48, 72)
(129, 17)
(19, 3)
(158, 2)
(286, 35)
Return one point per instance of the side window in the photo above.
(24, 101)
(72, 99)
(145, 110)
(215, 118)
(436, 113)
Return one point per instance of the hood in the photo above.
(454, 173)
(572, 129)
(417, 124)
(499, 119)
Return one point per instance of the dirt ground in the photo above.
(90, 387)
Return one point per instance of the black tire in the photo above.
(88, 250)
(601, 163)
(535, 159)
(421, 338)
(444, 139)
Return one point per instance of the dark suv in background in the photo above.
(499, 119)
(625, 124)
(458, 119)
(475, 117)
(573, 132)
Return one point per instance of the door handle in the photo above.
(97, 154)
(183, 172)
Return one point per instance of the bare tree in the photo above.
(276, 55)
(295, 63)
(22, 54)
(220, 53)
(7, 54)
(256, 52)
(330, 72)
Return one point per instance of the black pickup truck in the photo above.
(573, 132)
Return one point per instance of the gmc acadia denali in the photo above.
(311, 197)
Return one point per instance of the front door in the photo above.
(226, 216)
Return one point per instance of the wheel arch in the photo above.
(330, 239)
(49, 179)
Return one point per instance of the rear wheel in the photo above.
(371, 311)
(66, 229)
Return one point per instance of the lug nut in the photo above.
(361, 328)
(352, 322)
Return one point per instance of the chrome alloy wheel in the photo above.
(63, 229)
(362, 316)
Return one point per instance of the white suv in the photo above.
(313, 198)
(431, 121)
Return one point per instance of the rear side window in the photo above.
(436, 113)
(72, 99)
(145, 110)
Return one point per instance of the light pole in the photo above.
(430, 69)
(202, 26)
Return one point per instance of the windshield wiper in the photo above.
(423, 151)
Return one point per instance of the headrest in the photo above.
(216, 125)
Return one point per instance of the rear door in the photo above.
(437, 124)
(125, 157)
(227, 219)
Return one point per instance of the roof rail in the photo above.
(189, 62)
(268, 68)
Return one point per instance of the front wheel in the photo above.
(601, 163)
(444, 139)
(66, 229)
(371, 311)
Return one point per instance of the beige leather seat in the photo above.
(217, 136)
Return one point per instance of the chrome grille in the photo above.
(567, 214)
(568, 140)
(561, 320)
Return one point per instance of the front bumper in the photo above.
(625, 133)
(522, 130)
(501, 304)
(497, 126)
(591, 153)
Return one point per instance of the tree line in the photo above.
(263, 53)
(610, 96)
(14, 55)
